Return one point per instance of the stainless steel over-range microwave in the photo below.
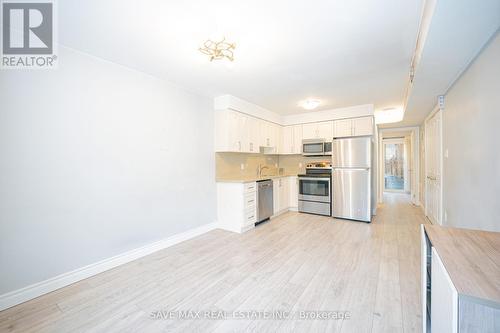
(316, 147)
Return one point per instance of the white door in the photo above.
(342, 128)
(433, 167)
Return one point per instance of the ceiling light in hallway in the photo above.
(389, 115)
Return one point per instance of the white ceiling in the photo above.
(342, 52)
(458, 31)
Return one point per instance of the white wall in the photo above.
(471, 120)
(95, 160)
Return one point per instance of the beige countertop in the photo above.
(472, 259)
(248, 179)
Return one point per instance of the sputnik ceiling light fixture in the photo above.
(218, 50)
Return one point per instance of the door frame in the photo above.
(434, 112)
(415, 146)
(384, 143)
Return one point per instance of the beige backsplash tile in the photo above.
(228, 165)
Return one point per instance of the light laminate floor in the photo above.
(296, 262)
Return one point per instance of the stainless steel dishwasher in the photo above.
(264, 200)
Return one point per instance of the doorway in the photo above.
(399, 163)
(395, 166)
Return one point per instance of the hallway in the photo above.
(295, 263)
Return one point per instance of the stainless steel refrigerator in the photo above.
(351, 178)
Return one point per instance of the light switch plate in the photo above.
(242, 166)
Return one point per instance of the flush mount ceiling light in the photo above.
(218, 50)
(390, 115)
(310, 104)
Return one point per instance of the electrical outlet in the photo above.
(242, 166)
(446, 153)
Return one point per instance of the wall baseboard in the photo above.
(38, 289)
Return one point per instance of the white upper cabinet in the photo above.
(236, 132)
(277, 141)
(239, 132)
(325, 130)
(228, 131)
(363, 126)
(252, 131)
(287, 138)
(342, 128)
(321, 130)
(291, 140)
(309, 131)
(297, 139)
(269, 133)
(353, 127)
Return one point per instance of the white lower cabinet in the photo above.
(285, 194)
(276, 196)
(280, 195)
(236, 206)
(293, 193)
(444, 298)
(439, 295)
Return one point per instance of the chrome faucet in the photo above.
(262, 168)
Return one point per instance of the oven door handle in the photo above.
(314, 178)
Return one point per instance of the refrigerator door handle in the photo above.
(357, 169)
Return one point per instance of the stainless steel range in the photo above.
(315, 189)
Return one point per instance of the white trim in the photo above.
(40, 288)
